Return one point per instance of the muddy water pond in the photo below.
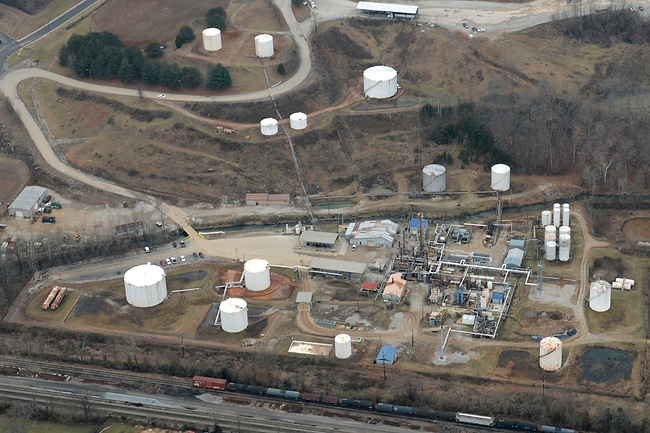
(605, 365)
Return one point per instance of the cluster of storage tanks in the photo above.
(54, 298)
(212, 42)
(269, 126)
(557, 234)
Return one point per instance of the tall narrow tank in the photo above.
(565, 214)
(269, 126)
(565, 230)
(263, 45)
(550, 353)
(551, 246)
(549, 233)
(211, 39)
(234, 315)
(298, 121)
(547, 218)
(343, 346)
(600, 296)
(484, 302)
(433, 178)
(145, 285)
(556, 215)
(257, 275)
(500, 177)
(565, 247)
(380, 82)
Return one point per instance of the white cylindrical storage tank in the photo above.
(433, 178)
(145, 285)
(380, 82)
(269, 126)
(547, 218)
(211, 39)
(565, 214)
(343, 346)
(234, 315)
(617, 285)
(550, 353)
(298, 121)
(600, 296)
(500, 177)
(551, 246)
(263, 45)
(257, 275)
(484, 302)
(556, 215)
(565, 230)
(549, 233)
(628, 281)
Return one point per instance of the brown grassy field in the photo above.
(261, 15)
(152, 21)
(14, 175)
(9, 19)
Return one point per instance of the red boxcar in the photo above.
(209, 383)
(310, 397)
(330, 400)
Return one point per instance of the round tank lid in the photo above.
(256, 265)
(500, 168)
(263, 38)
(233, 305)
(565, 205)
(211, 32)
(342, 338)
(269, 121)
(144, 275)
(380, 73)
(550, 343)
(298, 116)
(434, 170)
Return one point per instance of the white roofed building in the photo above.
(372, 233)
(387, 10)
(27, 202)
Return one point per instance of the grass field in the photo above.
(9, 425)
(261, 15)
(13, 178)
(9, 19)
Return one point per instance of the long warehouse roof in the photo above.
(337, 265)
(28, 197)
(318, 237)
(387, 7)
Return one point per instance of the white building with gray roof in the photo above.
(27, 202)
(372, 233)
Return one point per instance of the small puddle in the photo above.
(188, 278)
(604, 364)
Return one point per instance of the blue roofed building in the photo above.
(387, 355)
(414, 225)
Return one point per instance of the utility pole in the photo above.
(182, 345)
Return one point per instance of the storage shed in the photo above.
(337, 269)
(414, 225)
(317, 239)
(387, 355)
(27, 202)
(372, 233)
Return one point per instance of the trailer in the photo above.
(209, 383)
(470, 418)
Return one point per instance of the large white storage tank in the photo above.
(565, 247)
(500, 177)
(550, 353)
(343, 346)
(547, 218)
(257, 275)
(566, 210)
(549, 233)
(269, 126)
(380, 82)
(145, 285)
(211, 39)
(298, 121)
(433, 178)
(264, 45)
(551, 247)
(234, 315)
(556, 215)
(600, 296)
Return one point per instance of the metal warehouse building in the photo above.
(372, 233)
(317, 239)
(27, 202)
(404, 12)
(337, 269)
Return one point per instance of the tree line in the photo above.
(101, 55)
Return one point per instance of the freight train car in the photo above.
(209, 383)
(470, 418)
(515, 425)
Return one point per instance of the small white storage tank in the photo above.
(565, 230)
(617, 285)
(263, 45)
(600, 296)
(565, 214)
(551, 246)
(549, 233)
(269, 126)
(145, 285)
(343, 346)
(550, 353)
(547, 218)
(500, 177)
(433, 178)
(234, 315)
(379, 82)
(211, 39)
(556, 215)
(484, 302)
(257, 275)
(565, 247)
(298, 121)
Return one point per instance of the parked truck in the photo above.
(54, 205)
(48, 219)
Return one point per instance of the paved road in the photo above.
(9, 47)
